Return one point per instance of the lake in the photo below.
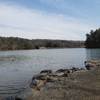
(18, 67)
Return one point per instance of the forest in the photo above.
(93, 39)
(15, 43)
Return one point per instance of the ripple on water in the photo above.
(13, 89)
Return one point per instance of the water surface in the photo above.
(18, 67)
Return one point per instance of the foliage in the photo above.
(93, 39)
(11, 43)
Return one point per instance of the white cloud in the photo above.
(22, 22)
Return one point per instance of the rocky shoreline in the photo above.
(70, 84)
(48, 76)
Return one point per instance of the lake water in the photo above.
(18, 67)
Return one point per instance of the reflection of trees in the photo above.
(93, 53)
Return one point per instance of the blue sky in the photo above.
(50, 19)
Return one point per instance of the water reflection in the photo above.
(92, 54)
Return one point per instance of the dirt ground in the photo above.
(81, 85)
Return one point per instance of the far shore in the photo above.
(45, 49)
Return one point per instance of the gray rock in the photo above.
(89, 65)
(73, 69)
(46, 71)
(63, 71)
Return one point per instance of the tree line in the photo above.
(15, 43)
(93, 39)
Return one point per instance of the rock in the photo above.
(46, 72)
(38, 82)
(41, 84)
(63, 71)
(33, 83)
(53, 77)
(89, 65)
(73, 69)
(82, 69)
(48, 76)
(65, 75)
(59, 74)
(50, 79)
(39, 77)
(17, 98)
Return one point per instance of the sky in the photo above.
(49, 19)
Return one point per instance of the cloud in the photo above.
(28, 23)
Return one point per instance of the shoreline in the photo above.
(73, 84)
(81, 84)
